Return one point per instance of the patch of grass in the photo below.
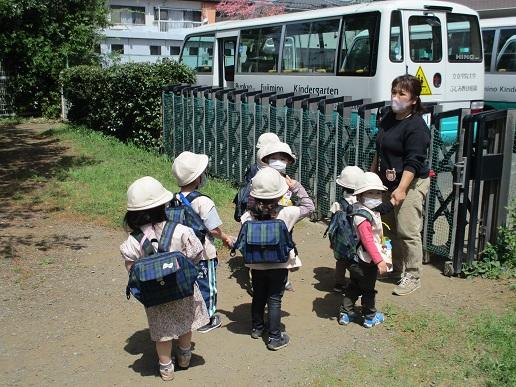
(93, 183)
(422, 348)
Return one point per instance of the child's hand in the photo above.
(290, 182)
(229, 241)
(382, 267)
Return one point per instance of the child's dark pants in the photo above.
(268, 288)
(362, 282)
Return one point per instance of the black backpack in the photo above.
(343, 237)
(181, 211)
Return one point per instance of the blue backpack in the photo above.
(343, 238)
(162, 276)
(181, 211)
(242, 196)
(264, 241)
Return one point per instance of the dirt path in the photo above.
(65, 319)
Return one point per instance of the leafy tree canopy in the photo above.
(39, 39)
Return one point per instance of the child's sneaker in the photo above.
(275, 344)
(256, 333)
(167, 371)
(214, 323)
(183, 357)
(344, 319)
(377, 319)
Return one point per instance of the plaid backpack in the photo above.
(161, 276)
(343, 238)
(181, 211)
(264, 241)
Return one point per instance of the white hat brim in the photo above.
(372, 187)
(166, 197)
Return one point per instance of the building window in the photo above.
(124, 14)
(174, 50)
(118, 48)
(168, 18)
(155, 50)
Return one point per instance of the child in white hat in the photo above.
(145, 218)
(348, 179)
(269, 279)
(189, 169)
(279, 155)
(370, 262)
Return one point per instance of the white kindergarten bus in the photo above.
(499, 35)
(354, 51)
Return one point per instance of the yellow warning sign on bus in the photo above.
(425, 87)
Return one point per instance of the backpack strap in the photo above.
(147, 247)
(364, 214)
(345, 207)
(166, 237)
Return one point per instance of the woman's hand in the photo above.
(398, 196)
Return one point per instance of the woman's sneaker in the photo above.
(407, 285)
(166, 371)
(377, 319)
(275, 344)
(183, 357)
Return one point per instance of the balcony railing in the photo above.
(167, 25)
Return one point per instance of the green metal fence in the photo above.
(325, 134)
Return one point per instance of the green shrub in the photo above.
(123, 100)
(499, 259)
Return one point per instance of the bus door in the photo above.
(423, 42)
(227, 49)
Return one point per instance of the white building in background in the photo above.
(145, 31)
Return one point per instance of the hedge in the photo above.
(123, 100)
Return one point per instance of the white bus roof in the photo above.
(498, 22)
(329, 12)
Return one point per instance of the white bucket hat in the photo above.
(266, 139)
(369, 182)
(268, 184)
(259, 161)
(146, 193)
(278, 147)
(188, 166)
(350, 176)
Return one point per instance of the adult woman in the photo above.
(401, 162)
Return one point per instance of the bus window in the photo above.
(488, 38)
(310, 47)
(359, 44)
(425, 39)
(463, 38)
(506, 57)
(259, 50)
(396, 38)
(198, 53)
(229, 59)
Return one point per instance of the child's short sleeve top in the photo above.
(183, 240)
(205, 207)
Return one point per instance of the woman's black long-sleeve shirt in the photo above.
(402, 145)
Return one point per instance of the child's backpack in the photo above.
(181, 211)
(241, 198)
(264, 241)
(342, 234)
(162, 276)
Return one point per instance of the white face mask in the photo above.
(372, 202)
(279, 165)
(398, 106)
